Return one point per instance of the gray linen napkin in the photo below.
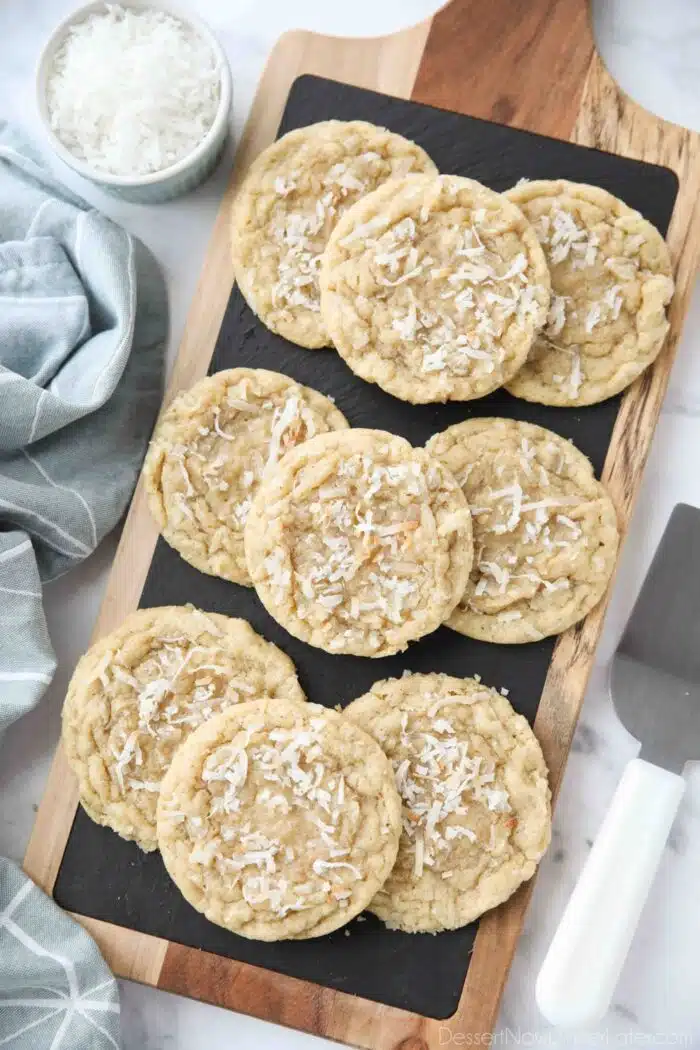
(83, 320)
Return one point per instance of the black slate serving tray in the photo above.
(102, 876)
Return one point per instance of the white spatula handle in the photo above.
(579, 974)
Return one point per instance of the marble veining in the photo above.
(652, 49)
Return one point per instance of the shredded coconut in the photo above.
(437, 781)
(291, 762)
(132, 91)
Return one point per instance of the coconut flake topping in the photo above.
(438, 782)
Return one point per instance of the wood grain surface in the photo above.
(532, 65)
(522, 64)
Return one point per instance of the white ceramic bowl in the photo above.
(159, 185)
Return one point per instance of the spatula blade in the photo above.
(655, 677)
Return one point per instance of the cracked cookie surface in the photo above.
(209, 452)
(359, 543)
(434, 288)
(545, 530)
(279, 820)
(140, 690)
(475, 798)
(290, 200)
(611, 284)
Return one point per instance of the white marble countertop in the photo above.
(652, 49)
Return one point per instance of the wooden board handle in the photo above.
(519, 62)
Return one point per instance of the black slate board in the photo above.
(104, 877)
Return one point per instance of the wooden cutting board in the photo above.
(530, 66)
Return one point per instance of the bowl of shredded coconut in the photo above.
(135, 97)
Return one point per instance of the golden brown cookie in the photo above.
(545, 531)
(474, 792)
(279, 820)
(290, 201)
(433, 287)
(611, 283)
(141, 690)
(209, 452)
(358, 543)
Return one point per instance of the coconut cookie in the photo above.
(545, 531)
(142, 689)
(434, 288)
(287, 206)
(279, 820)
(474, 792)
(611, 284)
(209, 452)
(358, 543)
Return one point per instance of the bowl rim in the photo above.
(151, 178)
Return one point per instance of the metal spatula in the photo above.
(655, 685)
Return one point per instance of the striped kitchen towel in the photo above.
(83, 324)
(55, 989)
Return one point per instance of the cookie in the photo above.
(474, 792)
(358, 543)
(434, 288)
(611, 283)
(141, 690)
(279, 820)
(288, 204)
(209, 452)
(545, 531)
